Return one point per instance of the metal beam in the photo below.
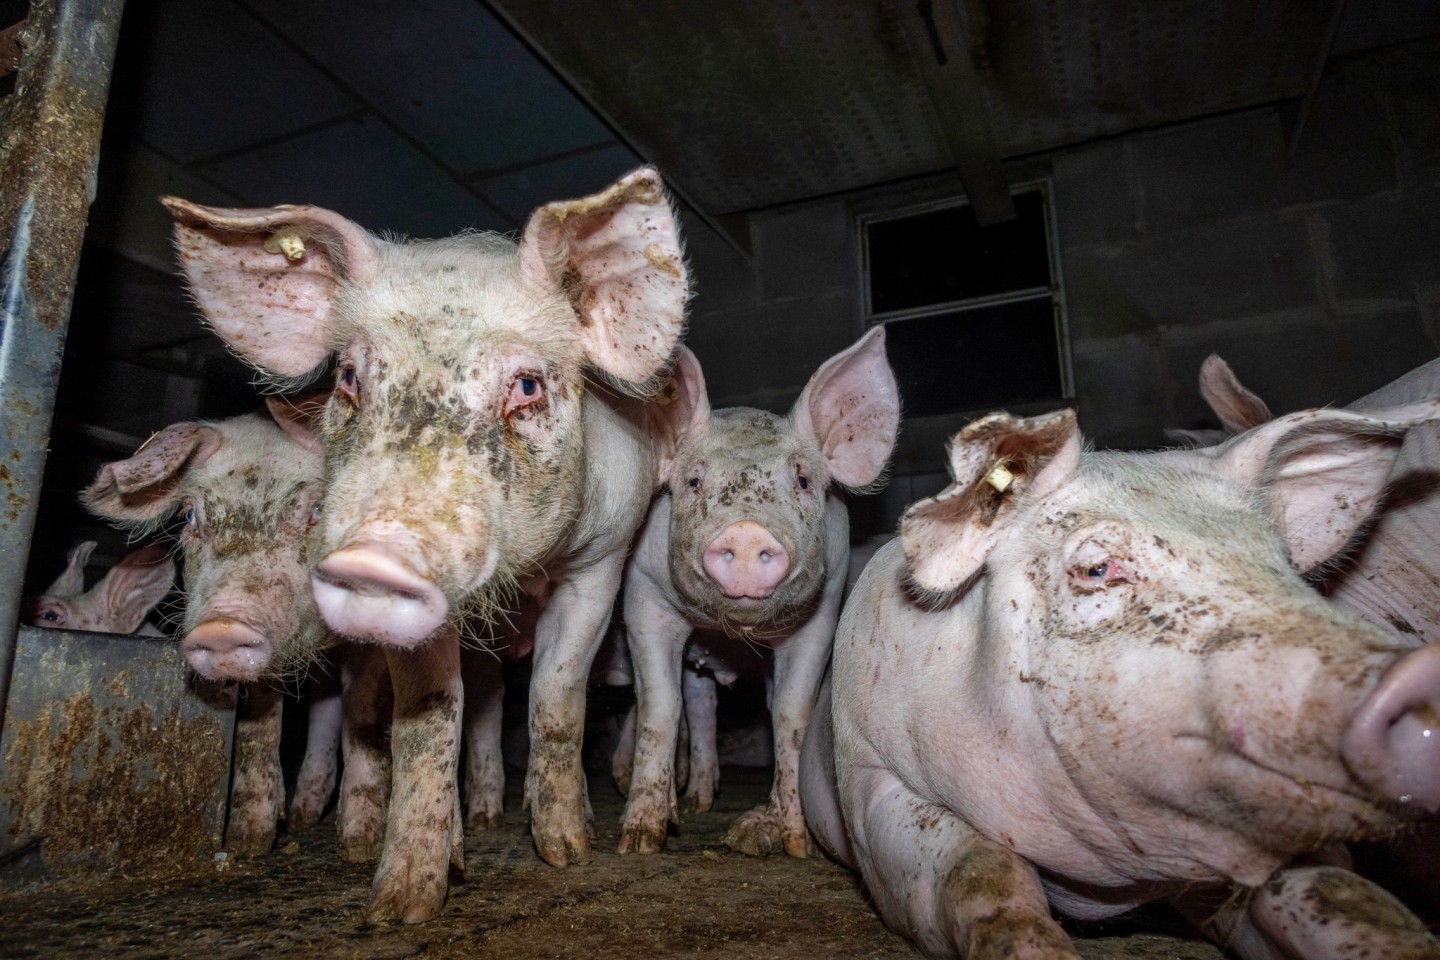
(49, 149)
(937, 41)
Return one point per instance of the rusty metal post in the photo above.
(49, 149)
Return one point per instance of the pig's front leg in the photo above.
(423, 835)
(657, 643)
(258, 789)
(700, 707)
(624, 759)
(316, 781)
(484, 769)
(567, 636)
(934, 877)
(366, 698)
(1315, 913)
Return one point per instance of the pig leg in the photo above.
(257, 789)
(624, 758)
(1315, 913)
(700, 706)
(800, 663)
(484, 769)
(567, 636)
(657, 644)
(956, 892)
(318, 771)
(423, 834)
(365, 697)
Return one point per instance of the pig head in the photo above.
(249, 493)
(117, 604)
(1099, 678)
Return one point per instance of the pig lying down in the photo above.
(1093, 680)
(484, 436)
(750, 546)
(117, 604)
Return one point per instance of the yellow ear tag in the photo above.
(287, 241)
(1000, 478)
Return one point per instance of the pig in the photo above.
(248, 489)
(747, 549)
(485, 434)
(117, 604)
(1091, 680)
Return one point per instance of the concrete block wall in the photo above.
(1316, 275)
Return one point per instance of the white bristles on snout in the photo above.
(999, 477)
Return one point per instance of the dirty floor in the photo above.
(696, 899)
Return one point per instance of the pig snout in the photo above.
(374, 591)
(1393, 744)
(746, 561)
(222, 648)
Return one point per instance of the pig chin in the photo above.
(791, 602)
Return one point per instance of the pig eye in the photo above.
(315, 514)
(190, 517)
(525, 391)
(1101, 573)
(348, 384)
(693, 483)
(51, 616)
(802, 482)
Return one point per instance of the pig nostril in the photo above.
(728, 556)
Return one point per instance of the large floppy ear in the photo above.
(616, 256)
(680, 408)
(135, 584)
(851, 407)
(1324, 471)
(71, 583)
(996, 461)
(1238, 407)
(300, 417)
(145, 487)
(267, 279)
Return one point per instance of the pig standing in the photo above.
(1090, 680)
(249, 489)
(483, 435)
(750, 546)
(117, 604)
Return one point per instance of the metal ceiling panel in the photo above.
(748, 103)
(363, 169)
(446, 72)
(522, 190)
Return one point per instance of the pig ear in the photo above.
(1238, 408)
(299, 417)
(135, 584)
(616, 255)
(267, 279)
(71, 583)
(680, 408)
(144, 487)
(1324, 470)
(996, 461)
(851, 407)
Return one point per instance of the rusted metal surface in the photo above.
(49, 148)
(109, 760)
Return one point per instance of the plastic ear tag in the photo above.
(287, 241)
(999, 477)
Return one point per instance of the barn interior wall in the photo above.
(1316, 275)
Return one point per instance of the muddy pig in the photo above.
(484, 435)
(750, 546)
(117, 604)
(1085, 681)
(248, 489)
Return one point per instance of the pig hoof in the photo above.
(699, 801)
(642, 839)
(485, 820)
(758, 833)
(622, 782)
(393, 897)
(304, 815)
(251, 842)
(561, 848)
(360, 847)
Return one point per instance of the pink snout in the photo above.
(226, 649)
(1394, 742)
(746, 561)
(372, 591)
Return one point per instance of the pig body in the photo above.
(484, 435)
(751, 544)
(117, 604)
(1096, 680)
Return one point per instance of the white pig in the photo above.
(117, 604)
(1085, 681)
(750, 547)
(484, 434)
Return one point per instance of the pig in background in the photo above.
(485, 434)
(1086, 681)
(118, 603)
(746, 548)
